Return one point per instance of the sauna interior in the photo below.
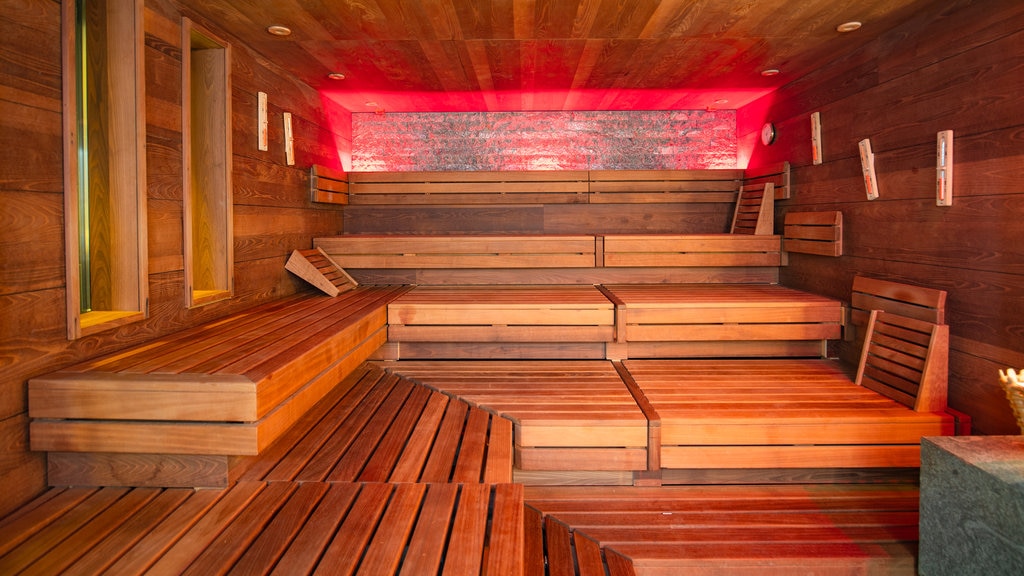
(508, 287)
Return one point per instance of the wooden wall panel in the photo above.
(959, 69)
(273, 212)
(652, 218)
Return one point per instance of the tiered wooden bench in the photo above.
(715, 320)
(500, 322)
(175, 411)
(572, 418)
(772, 414)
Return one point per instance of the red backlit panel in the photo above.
(609, 140)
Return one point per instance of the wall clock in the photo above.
(767, 133)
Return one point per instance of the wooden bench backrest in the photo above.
(819, 233)
(927, 304)
(643, 186)
(906, 359)
(328, 186)
(755, 210)
(537, 251)
(317, 268)
(483, 187)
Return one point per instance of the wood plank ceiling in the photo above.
(474, 55)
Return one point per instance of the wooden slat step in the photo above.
(740, 529)
(379, 427)
(568, 415)
(286, 527)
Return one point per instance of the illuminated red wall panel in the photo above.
(634, 140)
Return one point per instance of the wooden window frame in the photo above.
(126, 142)
(207, 208)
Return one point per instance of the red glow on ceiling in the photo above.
(520, 101)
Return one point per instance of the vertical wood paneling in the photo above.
(32, 314)
(899, 91)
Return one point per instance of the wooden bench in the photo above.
(572, 418)
(702, 320)
(174, 411)
(499, 321)
(772, 414)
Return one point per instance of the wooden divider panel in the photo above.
(478, 187)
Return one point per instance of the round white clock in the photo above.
(767, 133)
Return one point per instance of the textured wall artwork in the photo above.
(634, 140)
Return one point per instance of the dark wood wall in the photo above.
(963, 70)
(272, 213)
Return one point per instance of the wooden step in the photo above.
(567, 415)
(742, 529)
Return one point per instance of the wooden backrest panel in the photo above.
(907, 360)
(317, 268)
(819, 233)
(927, 304)
(755, 210)
(634, 250)
(536, 251)
(642, 186)
(483, 187)
(327, 185)
(778, 174)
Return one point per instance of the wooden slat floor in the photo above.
(280, 517)
(269, 528)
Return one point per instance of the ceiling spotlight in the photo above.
(277, 30)
(769, 72)
(722, 101)
(336, 76)
(848, 26)
(372, 104)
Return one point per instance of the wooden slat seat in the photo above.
(677, 320)
(483, 321)
(568, 416)
(271, 527)
(172, 411)
(378, 427)
(771, 414)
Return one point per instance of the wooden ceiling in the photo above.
(474, 55)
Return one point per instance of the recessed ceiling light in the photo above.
(336, 76)
(770, 72)
(277, 30)
(848, 26)
(722, 101)
(372, 104)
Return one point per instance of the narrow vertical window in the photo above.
(206, 131)
(105, 208)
